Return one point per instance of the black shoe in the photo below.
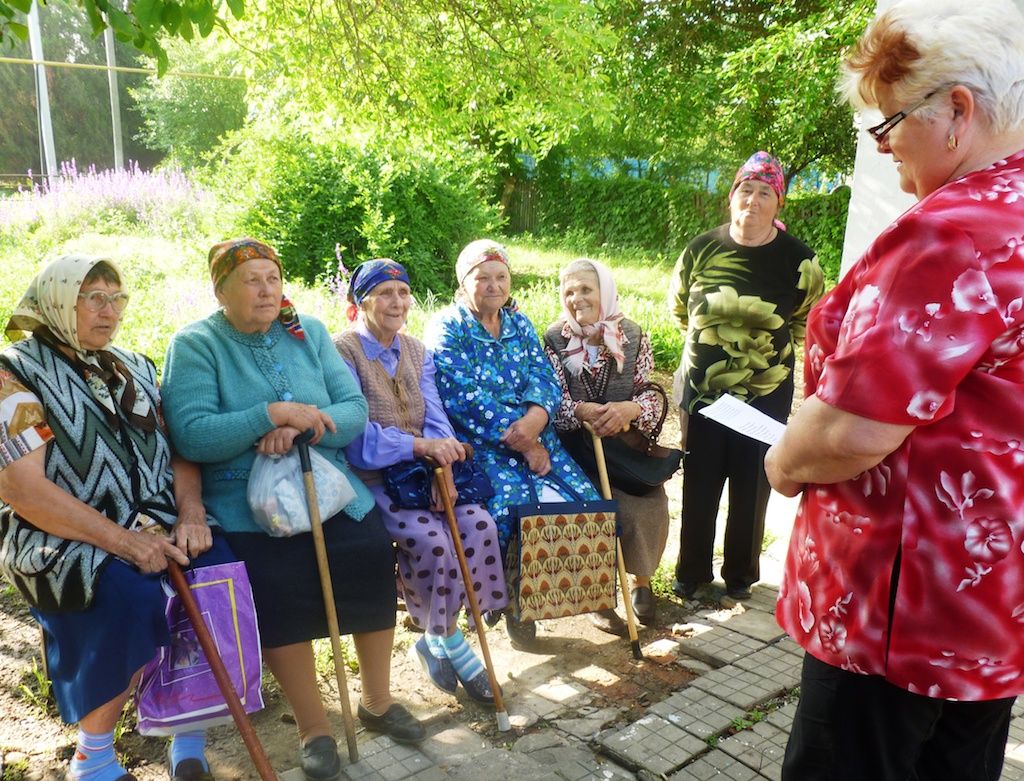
(493, 617)
(684, 590)
(608, 620)
(320, 760)
(439, 671)
(187, 770)
(521, 634)
(645, 607)
(739, 593)
(396, 722)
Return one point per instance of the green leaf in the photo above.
(19, 30)
(22, 5)
(121, 22)
(237, 8)
(171, 17)
(185, 29)
(147, 12)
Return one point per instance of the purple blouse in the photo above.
(381, 446)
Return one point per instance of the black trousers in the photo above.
(851, 727)
(714, 454)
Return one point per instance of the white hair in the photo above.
(578, 266)
(921, 46)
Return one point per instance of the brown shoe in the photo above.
(608, 620)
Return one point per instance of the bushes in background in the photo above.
(306, 195)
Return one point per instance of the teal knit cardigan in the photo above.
(217, 386)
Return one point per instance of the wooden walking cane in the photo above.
(500, 714)
(220, 673)
(606, 492)
(316, 526)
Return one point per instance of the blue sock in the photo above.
(466, 665)
(95, 759)
(188, 745)
(436, 645)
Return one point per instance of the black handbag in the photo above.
(636, 463)
(409, 483)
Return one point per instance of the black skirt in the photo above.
(286, 582)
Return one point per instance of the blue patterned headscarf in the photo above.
(372, 273)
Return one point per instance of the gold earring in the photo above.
(952, 142)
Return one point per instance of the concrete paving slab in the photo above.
(699, 713)
(1015, 741)
(654, 744)
(773, 663)
(789, 645)
(578, 763)
(760, 748)
(783, 717)
(453, 745)
(695, 666)
(587, 726)
(717, 766)
(738, 686)
(393, 762)
(497, 764)
(755, 623)
(718, 646)
(563, 692)
(1013, 770)
(1018, 708)
(762, 597)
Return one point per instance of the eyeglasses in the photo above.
(883, 128)
(95, 300)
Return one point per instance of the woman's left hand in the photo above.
(277, 442)
(523, 433)
(779, 482)
(191, 534)
(538, 459)
(615, 417)
(453, 493)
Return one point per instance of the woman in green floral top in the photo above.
(741, 294)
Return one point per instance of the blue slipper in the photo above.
(439, 671)
(478, 687)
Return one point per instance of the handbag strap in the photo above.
(656, 388)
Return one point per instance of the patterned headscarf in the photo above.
(764, 168)
(608, 324)
(228, 255)
(477, 252)
(49, 311)
(367, 276)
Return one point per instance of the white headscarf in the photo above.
(51, 301)
(608, 323)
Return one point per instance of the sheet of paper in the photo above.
(733, 413)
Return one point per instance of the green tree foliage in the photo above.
(142, 24)
(186, 117)
(306, 192)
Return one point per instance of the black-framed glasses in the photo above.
(883, 128)
(95, 300)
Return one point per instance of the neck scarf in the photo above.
(48, 311)
(608, 326)
(228, 255)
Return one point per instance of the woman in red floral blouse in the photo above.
(905, 576)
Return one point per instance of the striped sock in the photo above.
(436, 645)
(466, 665)
(94, 758)
(188, 745)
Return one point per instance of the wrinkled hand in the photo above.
(776, 478)
(191, 535)
(149, 552)
(615, 417)
(588, 412)
(277, 442)
(453, 494)
(444, 451)
(538, 459)
(523, 433)
(301, 417)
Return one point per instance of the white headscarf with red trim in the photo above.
(608, 324)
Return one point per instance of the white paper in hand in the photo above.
(734, 414)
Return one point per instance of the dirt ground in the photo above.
(35, 745)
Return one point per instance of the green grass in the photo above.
(170, 288)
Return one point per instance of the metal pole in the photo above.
(42, 94)
(115, 100)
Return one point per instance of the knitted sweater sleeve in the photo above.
(347, 408)
(191, 390)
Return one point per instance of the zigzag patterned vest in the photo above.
(117, 472)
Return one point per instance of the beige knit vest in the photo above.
(393, 401)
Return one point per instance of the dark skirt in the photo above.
(92, 654)
(286, 582)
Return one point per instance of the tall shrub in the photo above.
(308, 195)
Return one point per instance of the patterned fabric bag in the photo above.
(563, 561)
(177, 691)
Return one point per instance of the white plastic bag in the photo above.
(277, 492)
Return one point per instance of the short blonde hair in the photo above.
(920, 46)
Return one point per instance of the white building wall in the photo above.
(876, 199)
